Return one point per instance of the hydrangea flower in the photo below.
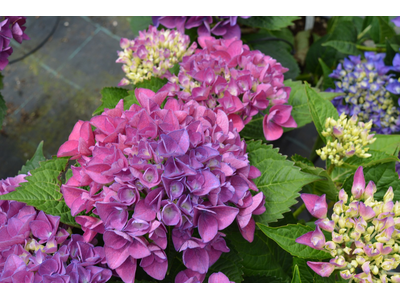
(226, 27)
(346, 138)
(181, 169)
(367, 91)
(35, 248)
(10, 27)
(225, 75)
(152, 53)
(396, 21)
(365, 239)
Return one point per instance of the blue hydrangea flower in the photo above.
(368, 89)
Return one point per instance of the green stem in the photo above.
(330, 169)
(299, 210)
(375, 49)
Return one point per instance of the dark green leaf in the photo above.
(230, 264)
(254, 129)
(42, 190)
(262, 257)
(175, 69)
(316, 51)
(286, 237)
(296, 275)
(307, 275)
(383, 175)
(279, 51)
(1, 81)
(33, 163)
(110, 96)
(153, 84)
(140, 23)
(268, 22)
(320, 110)
(328, 81)
(344, 47)
(280, 180)
(325, 186)
(385, 30)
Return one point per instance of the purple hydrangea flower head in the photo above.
(152, 53)
(10, 27)
(364, 244)
(226, 76)
(367, 91)
(35, 248)
(182, 167)
(226, 27)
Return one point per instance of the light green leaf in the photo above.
(386, 143)
(296, 275)
(268, 22)
(328, 96)
(298, 100)
(110, 96)
(42, 190)
(280, 180)
(3, 110)
(153, 84)
(377, 157)
(140, 23)
(325, 186)
(33, 163)
(286, 236)
(343, 46)
(383, 175)
(320, 110)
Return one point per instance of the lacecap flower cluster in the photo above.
(10, 28)
(347, 138)
(368, 89)
(34, 247)
(152, 53)
(226, 27)
(365, 240)
(150, 172)
(226, 75)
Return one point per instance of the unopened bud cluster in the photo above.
(152, 53)
(365, 240)
(348, 137)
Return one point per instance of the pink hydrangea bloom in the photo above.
(225, 75)
(183, 166)
(34, 247)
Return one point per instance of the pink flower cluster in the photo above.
(144, 170)
(34, 248)
(225, 75)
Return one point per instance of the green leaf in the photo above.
(42, 190)
(254, 129)
(280, 51)
(377, 157)
(110, 96)
(280, 180)
(298, 100)
(344, 47)
(329, 96)
(307, 275)
(139, 24)
(385, 30)
(175, 69)
(1, 81)
(383, 175)
(3, 110)
(325, 186)
(286, 236)
(268, 22)
(230, 264)
(296, 275)
(320, 110)
(33, 163)
(302, 45)
(263, 257)
(386, 143)
(328, 81)
(317, 51)
(153, 84)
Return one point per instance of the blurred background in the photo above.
(55, 78)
